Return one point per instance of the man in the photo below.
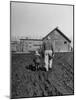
(48, 53)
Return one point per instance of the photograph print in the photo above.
(41, 49)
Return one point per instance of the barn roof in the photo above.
(59, 32)
(32, 39)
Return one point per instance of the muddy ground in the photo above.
(56, 82)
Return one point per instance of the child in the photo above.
(37, 60)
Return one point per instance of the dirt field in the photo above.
(56, 82)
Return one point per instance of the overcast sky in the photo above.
(37, 20)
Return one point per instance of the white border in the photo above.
(5, 48)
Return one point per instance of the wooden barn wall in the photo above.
(30, 45)
(58, 42)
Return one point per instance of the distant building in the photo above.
(13, 46)
(61, 43)
(30, 44)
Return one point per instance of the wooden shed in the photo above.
(28, 45)
(61, 43)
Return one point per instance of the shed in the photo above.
(61, 43)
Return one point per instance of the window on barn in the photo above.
(65, 42)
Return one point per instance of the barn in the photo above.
(29, 45)
(61, 43)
